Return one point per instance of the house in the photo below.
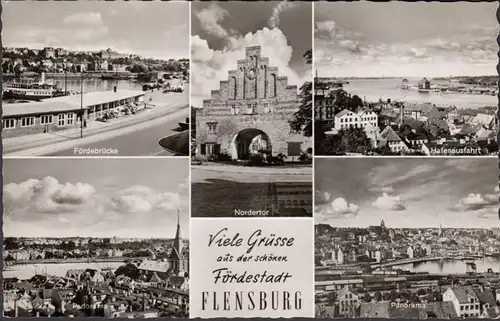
(485, 120)
(348, 301)
(410, 252)
(416, 139)
(464, 300)
(491, 313)
(418, 111)
(360, 119)
(486, 298)
(389, 137)
(337, 256)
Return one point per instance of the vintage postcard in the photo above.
(390, 84)
(407, 238)
(81, 239)
(252, 151)
(95, 78)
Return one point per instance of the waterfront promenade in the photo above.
(168, 109)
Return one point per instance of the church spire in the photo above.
(178, 241)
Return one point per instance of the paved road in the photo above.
(143, 142)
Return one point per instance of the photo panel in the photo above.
(83, 239)
(407, 238)
(95, 78)
(251, 268)
(251, 109)
(391, 85)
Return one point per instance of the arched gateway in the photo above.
(250, 112)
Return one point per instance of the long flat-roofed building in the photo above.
(63, 112)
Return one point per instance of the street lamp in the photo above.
(82, 78)
(81, 106)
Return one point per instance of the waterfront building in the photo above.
(60, 113)
(49, 52)
(110, 54)
(254, 103)
(424, 83)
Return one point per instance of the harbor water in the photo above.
(374, 89)
(453, 266)
(27, 271)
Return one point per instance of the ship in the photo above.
(28, 89)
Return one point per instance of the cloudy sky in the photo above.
(151, 29)
(95, 197)
(221, 31)
(407, 192)
(398, 39)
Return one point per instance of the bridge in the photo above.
(74, 260)
(407, 261)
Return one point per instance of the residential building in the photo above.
(464, 300)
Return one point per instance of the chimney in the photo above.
(114, 88)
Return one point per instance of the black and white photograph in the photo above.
(405, 79)
(251, 106)
(95, 78)
(81, 239)
(407, 237)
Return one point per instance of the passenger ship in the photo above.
(27, 89)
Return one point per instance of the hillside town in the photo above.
(50, 60)
(150, 277)
(366, 272)
(347, 124)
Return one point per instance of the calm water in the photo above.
(27, 271)
(453, 267)
(95, 84)
(374, 89)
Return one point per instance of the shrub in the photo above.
(213, 158)
(256, 160)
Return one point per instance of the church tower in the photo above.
(178, 244)
(178, 261)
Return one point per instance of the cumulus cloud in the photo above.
(341, 206)
(389, 202)
(210, 19)
(45, 196)
(338, 208)
(35, 197)
(88, 18)
(476, 201)
(141, 199)
(210, 66)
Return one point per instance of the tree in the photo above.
(302, 119)
(367, 297)
(308, 56)
(377, 296)
(10, 243)
(356, 140)
(333, 145)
